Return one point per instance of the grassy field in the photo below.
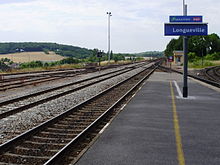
(216, 62)
(206, 63)
(32, 56)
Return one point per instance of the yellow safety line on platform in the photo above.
(179, 146)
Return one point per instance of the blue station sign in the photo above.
(174, 29)
(185, 18)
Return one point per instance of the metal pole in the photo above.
(109, 15)
(185, 50)
(185, 72)
(183, 7)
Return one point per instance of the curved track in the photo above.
(52, 141)
(213, 73)
(200, 78)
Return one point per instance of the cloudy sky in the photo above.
(136, 25)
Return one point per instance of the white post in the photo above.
(109, 15)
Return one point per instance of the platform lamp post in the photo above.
(109, 15)
(185, 50)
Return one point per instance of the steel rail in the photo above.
(54, 72)
(28, 77)
(8, 145)
(34, 72)
(57, 157)
(217, 71)
(60, 87)
(213, 83)
(26, 82)
(214, 76)
(43, 100)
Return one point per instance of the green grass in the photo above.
(206, 63)
(64, 66)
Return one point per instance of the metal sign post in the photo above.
(185, 65)
(185, 26)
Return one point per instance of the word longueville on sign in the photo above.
(196, 30)
(186, 29)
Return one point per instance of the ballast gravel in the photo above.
(16, 124)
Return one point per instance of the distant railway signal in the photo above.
(170, 59)
(99, 55)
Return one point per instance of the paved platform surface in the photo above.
(158, 127)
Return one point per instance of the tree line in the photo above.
(74, 54)
(198, 46)
(150, 54)
(63, 50)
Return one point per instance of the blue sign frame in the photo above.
(185, 18)
(186, 29)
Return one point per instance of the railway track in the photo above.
(21, 81)
(21, 75)
(213, 73)
(16, 105)
(200, 78)
(62, 138)
(16, 80)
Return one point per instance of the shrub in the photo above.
(33, 64)
(192, 56)
(198, 64)
(70, 60)
(214, 56)
(46, 51)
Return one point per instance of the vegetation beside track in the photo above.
(198, 64)
(25, 56)
(204, 51)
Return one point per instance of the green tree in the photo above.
(111, 55)
(174, 44)
(200, 45)
(70, 60)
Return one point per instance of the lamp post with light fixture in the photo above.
(109, 15)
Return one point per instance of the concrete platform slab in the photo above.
(159, 127)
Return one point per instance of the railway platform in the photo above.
(159, 127)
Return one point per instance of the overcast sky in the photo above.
(136, 25)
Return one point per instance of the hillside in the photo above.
(63, 50)
(150, 54)
(32, 56)
(27, 51)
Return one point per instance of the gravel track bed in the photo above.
(14, 93)
(21, 122)
(24, 80)
(49, 94)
